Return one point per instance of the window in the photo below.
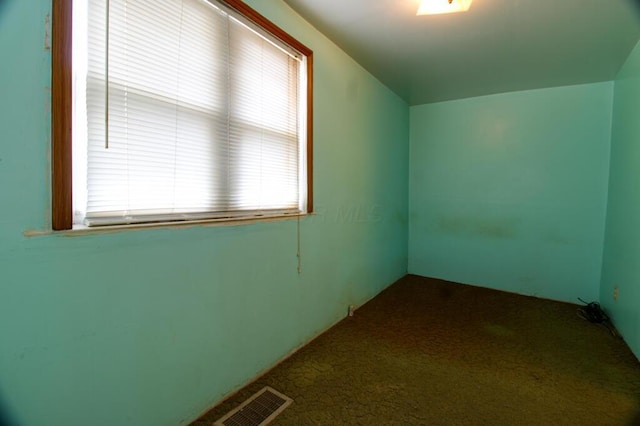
(178, 110)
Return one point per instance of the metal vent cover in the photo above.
(259, 410)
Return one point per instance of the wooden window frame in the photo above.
(62, 101)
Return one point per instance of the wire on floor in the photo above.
(592, 312)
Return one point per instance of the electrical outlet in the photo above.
(615, 293)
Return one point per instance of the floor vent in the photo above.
(259, 410)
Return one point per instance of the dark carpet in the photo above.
(430, 352)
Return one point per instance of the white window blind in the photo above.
(183, 110)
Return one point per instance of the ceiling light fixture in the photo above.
(436, 7)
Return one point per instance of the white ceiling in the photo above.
(498, 46)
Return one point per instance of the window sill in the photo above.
(164, 225)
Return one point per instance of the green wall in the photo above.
(151, 327)
(621, 264)
(509, 191)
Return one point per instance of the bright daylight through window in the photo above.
(186, 110)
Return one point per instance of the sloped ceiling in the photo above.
(498, 46)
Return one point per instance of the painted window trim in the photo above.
(61, 105)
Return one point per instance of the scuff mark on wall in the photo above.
(47, 31)
(474, 226)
